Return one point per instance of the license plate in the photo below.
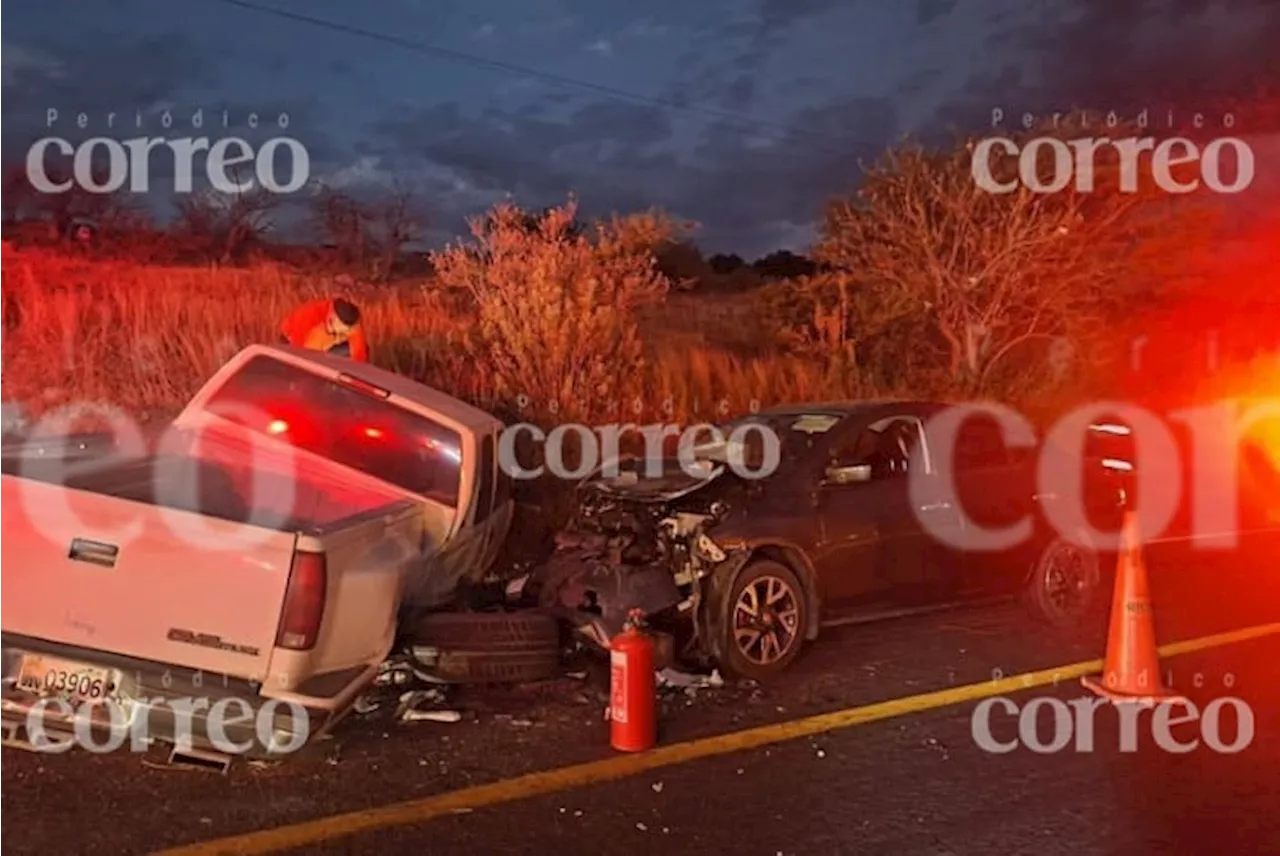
(54, 677)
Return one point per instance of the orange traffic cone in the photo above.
(1131, 671)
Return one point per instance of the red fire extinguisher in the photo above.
(633, 717)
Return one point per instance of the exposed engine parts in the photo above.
(628, 549)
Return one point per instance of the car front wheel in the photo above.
(1064, 587)
(764, 622)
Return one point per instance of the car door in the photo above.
(994, 488)
(874, 550)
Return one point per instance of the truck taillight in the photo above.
(303, 602)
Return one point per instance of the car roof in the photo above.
(852, 408)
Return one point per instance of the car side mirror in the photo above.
(840, 475)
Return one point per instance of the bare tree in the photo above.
(110, 213)
(395, 222)
(340, 220)
(226, 224)
(997, 274)
(19, 197)
(368, 233)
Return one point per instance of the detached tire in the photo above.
(763, 619)
(1064, 588)
(489, 647)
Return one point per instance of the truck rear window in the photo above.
(345, 425)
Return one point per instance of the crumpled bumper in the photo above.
(583, 584)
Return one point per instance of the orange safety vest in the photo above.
(305, 328)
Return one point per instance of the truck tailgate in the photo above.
(109, 574)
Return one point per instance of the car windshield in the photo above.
(345, 425)
(796, 434)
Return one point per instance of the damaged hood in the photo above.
(654, 480)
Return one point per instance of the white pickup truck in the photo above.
(261, 550)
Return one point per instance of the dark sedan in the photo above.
(872, 508)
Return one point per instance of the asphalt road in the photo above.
(915, 783)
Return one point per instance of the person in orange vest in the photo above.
(332, 326)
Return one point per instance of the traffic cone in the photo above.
(1131, 670)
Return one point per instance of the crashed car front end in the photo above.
(640, 542)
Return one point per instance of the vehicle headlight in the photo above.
(708, 549)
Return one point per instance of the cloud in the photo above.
(1106, 55)
(752, 189)
(645, 28)
(21, 64)
(604, 47)
(774, 17)
(69, 77)
(145, 89)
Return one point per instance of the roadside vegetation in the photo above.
(920, 284)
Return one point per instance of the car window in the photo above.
(856, 447)
(889, 445)
(980, 444)
(345, 425)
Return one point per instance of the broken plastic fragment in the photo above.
(392, 673)
(673, 678)
(431, 716)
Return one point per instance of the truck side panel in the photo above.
(367, 557)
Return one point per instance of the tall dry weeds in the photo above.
(145, 338)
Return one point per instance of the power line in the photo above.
(453, 54)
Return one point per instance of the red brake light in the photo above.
(303, 602)
(364, 386)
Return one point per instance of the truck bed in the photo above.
(205, 486)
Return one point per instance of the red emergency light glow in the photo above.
(277, 426)
(375, 433)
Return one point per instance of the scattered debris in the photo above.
(411, 702)
(657, 787)
(365, 705)
(515, 588)
(686, 680)
(431, 716)
(518, 722)
(393, 674)
(398, 673)
(642, 827)
(414, 698)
